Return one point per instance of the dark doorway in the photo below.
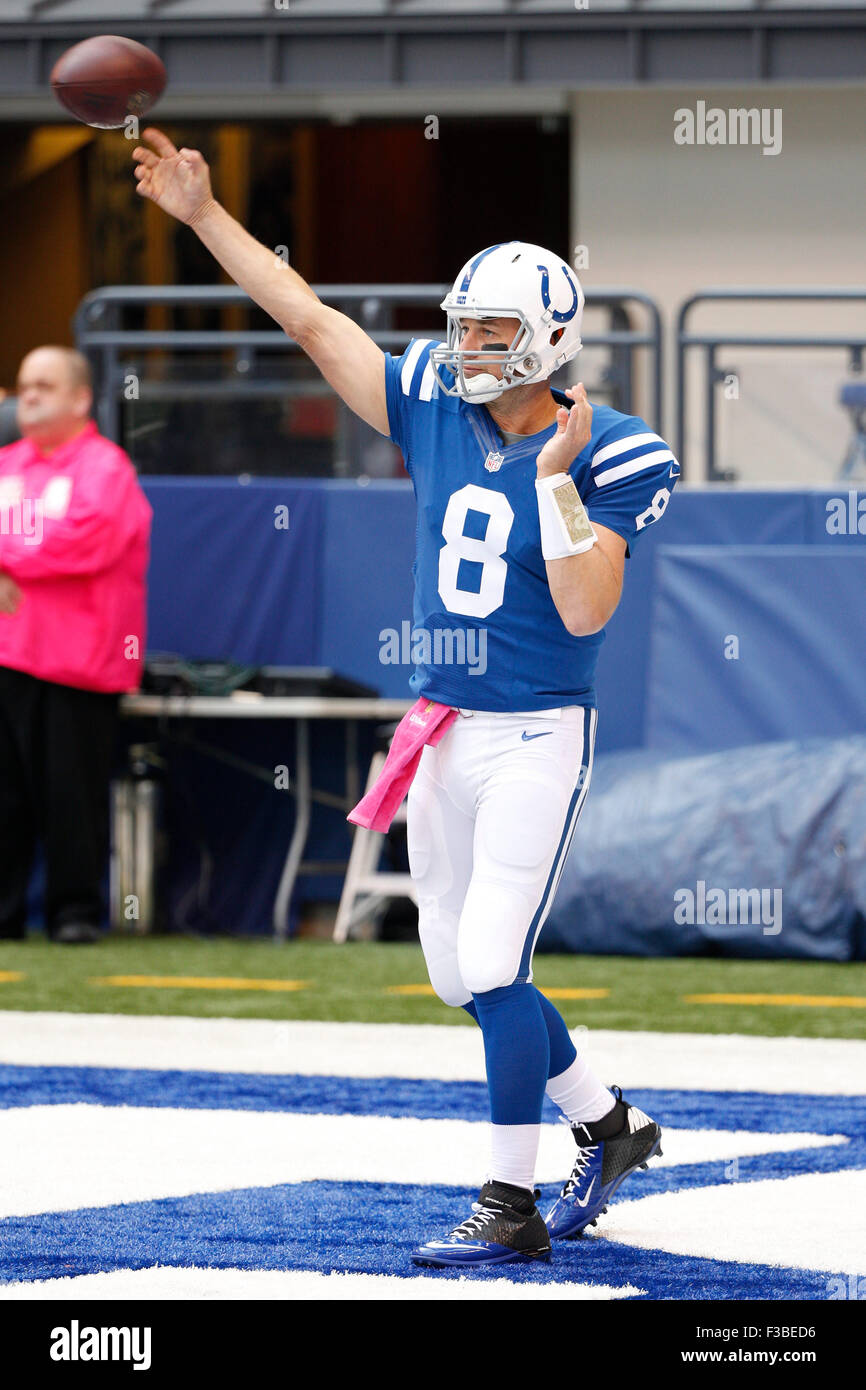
(393, 205)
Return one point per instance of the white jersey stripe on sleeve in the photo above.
(411, 363)
(428, 383)
(624, 446)
(624, 470)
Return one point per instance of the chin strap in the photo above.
(483, 387)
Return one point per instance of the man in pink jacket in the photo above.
(74, 539)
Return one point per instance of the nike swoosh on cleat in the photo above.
(527, 738)
(583, 1203)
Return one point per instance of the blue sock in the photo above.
(516, 1051)
(562, 1049)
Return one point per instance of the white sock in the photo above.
(513, 1150)
(579, 1093)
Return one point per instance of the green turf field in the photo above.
(356, 982)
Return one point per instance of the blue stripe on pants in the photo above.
(575, 807)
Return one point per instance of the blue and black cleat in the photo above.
(602, 1165)
(506, 1225)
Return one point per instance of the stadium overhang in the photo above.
(295, 59)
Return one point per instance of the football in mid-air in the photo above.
(106, 79)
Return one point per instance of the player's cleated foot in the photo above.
(506, 1225)
(604, 1161)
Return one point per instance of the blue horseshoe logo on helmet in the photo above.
(560, 315)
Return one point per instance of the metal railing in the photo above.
(712, 342)
(113, 349)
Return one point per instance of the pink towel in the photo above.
(425, 722)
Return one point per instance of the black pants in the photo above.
(56, 756)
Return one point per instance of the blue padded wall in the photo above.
(225, 582)
(755, 644)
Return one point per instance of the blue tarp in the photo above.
(754, 852)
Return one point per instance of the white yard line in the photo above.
(165, 1283)
(683, 1061)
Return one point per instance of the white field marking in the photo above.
(167, 1283)
(126, 1154)
(682, 1061)
(810, 1221)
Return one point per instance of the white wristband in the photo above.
(565, 527)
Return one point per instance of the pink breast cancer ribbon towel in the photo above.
(426, 722)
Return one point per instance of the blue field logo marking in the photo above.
(371, 1227)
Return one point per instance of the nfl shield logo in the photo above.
(493, 462)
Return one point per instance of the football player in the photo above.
(528, 501)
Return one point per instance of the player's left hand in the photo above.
(573, 431)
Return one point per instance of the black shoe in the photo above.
(77, 934)
(507, 1225)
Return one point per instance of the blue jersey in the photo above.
(486, 632)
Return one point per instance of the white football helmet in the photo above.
(512, 280)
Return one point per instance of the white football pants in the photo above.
(491, 814)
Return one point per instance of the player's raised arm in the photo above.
(178, 181)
